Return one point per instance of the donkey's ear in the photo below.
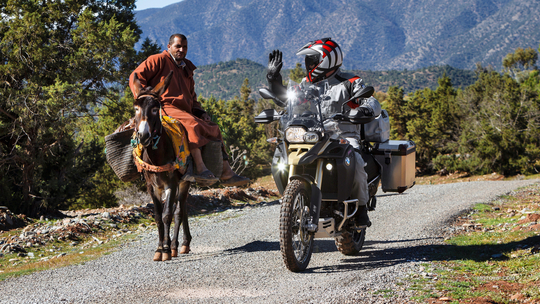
(137, 87)
(163, 85)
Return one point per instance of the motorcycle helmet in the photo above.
(322, 56)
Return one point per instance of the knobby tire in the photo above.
(296, 243)
(350, 243)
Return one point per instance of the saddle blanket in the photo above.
(178, 135)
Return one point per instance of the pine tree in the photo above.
(59, 59)
(433, 122)
(496, 131)
(239, 130)
(396, 106)
(298, 73)
(520, 62)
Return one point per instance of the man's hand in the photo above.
(206, 117)
(274, 64)
(367, 112)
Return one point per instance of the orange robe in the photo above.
(179, 100)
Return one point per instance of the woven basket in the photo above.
(120, 155)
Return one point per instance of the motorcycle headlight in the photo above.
(295, 135)
(311, 137)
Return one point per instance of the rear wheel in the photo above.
(296, 242)
(350, 243)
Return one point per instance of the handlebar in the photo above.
(355, 119)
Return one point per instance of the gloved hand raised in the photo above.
(274, 64)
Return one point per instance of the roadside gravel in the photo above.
(236, 259)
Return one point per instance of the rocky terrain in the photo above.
(83, 229)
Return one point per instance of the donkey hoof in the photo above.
(166, 257)
(174, 253)
(184, 250)
(157, 256)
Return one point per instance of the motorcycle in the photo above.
(313, 167)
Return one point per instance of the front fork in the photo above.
(316, 198)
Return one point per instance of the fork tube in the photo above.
(292, 171)
(318, 176)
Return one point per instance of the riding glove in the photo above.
(274, 64)
(366, 111)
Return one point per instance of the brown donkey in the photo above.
(162, 179)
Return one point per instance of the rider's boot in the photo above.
(363, 218)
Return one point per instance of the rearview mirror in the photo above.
(267, 116)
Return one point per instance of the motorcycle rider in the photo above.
(323, 59)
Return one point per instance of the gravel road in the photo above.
(236, 259)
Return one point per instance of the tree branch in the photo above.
(8, 115)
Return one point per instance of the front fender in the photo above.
(280, 176)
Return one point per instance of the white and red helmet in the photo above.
(326, 56)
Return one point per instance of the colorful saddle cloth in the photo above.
(178, 135)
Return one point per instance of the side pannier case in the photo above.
(397, 158)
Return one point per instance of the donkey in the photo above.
(161, 177)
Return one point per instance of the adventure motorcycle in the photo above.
(313, 168)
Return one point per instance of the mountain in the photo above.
(373, 34)
(223, 80)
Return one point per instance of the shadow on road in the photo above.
(372, 257)
(391, 194)
(255, 247)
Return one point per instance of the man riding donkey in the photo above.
(179, 101)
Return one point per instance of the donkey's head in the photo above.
(147, 107)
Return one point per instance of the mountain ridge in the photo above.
(223, 80)
(374, 35)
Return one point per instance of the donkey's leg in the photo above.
(184, 191)
(159, 223)
(170, 197)
(177, 223)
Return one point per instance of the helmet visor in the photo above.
(312, 61)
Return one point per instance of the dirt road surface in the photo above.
(235, 258)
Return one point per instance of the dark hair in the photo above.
(181, 36)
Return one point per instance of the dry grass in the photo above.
(265, 182)
(494, 257)
(73, 255)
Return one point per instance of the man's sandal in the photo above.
(206, 178)
(235, 180)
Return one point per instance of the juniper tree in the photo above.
(238, 128)
(396, 106)
(433, 122)
(59, 59)
(501, 132)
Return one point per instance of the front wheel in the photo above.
(296, 242)
(350, 243)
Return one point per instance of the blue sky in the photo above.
(144, 4)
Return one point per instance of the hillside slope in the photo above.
(374, 35)
(224, 79)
